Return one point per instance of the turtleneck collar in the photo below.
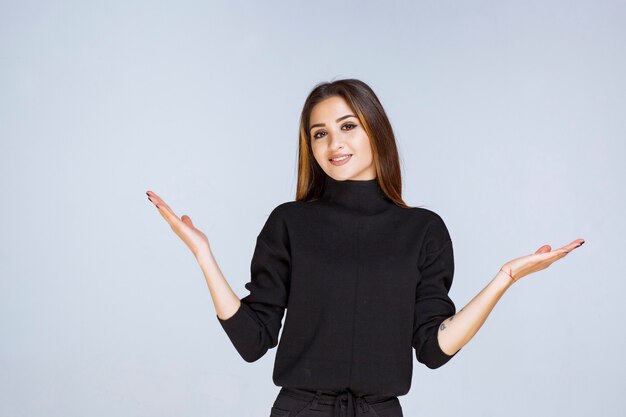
(365, 196)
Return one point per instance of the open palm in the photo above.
(195, 240)
(541, 259)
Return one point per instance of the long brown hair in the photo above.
(368, 109)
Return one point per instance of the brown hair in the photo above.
(368, 109)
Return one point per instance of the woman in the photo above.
(364, 277)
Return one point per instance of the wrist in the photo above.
(205, 257)
(504, 278)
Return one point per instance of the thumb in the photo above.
(187, 220)
(544, 249)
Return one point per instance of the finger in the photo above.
(168, 214)
(154, 199)
(550, 256)
(165, 210)
(560, 253)
(159, 204)
(544, 249)
(159, 201)
(575, 244)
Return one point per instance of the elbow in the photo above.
(255, 350)
(434, 362)
(250, 338)
(254, 354)
(430, 362)
(251, 356)
(432, 355)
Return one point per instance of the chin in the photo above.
(341, 174)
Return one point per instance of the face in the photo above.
(336, 131)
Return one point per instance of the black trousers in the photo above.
(295, 402)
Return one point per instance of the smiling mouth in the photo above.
(340, 160)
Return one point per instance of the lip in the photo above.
(342, 162)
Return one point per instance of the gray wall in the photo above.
(510, 121)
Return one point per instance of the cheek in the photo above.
(365, 149)
(318, 153)
(367, 159)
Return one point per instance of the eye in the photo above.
(350, 125)
(317, 133)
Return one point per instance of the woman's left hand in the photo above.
(541, 259)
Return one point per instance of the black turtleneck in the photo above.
(362, 281)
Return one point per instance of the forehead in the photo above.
(329, 108)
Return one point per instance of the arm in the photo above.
(252, 323)
(438, 332)
(457, 330)
(225, 300)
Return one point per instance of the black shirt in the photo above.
(363, 282)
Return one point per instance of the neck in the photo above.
(364, 196)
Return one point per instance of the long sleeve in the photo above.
(254, 328)
(432, 303)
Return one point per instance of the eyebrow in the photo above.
(336, 121)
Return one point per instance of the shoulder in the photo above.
(428, 218)
(278, 218)
(283, 211)
(433, 230)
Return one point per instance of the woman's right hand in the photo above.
(195, 240)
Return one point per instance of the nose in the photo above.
(336, 141)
